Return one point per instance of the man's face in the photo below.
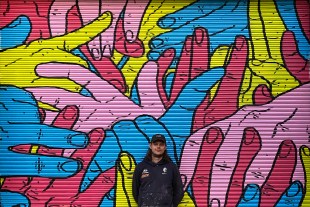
(158, 148)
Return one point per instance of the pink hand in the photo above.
(294, 62)
(250, 146)
(280, 176)
(122, 45)
(262, 95)
(103, 108)
(224, 103)
(194, 60)
(202, 174)
(273, 130)
(107, 71)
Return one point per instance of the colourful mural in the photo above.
(85, 84)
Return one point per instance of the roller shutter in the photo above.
(86, 84)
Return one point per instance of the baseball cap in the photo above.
(158, 137)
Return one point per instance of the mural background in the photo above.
(85, 84)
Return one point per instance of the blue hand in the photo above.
(15, 33)
(9, 199)
(178, 118)
(203, 13)
(20, 125)
(175, 124)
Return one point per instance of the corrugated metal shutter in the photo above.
(226, 82)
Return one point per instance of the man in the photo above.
(156, 180)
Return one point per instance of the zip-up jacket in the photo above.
(157, 184)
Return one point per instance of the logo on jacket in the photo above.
(164, 171)
(145, 173)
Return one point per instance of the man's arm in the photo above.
(178, 192)
(136, 184)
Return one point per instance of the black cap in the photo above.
(158, 137)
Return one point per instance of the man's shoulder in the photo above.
(172, 165)
(141, 164)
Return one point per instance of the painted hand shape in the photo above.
(272, 189)
(273, 131)
(174, 124)
(64, 119)
(20, 124)
(292, 196)
(19, 63)
(212, 109)
(270, 63)
(35, 11)
(105, 105)
(203, 13)
(294, 61)
(45, 192)
(125, 168)
(103, 45)
(9, 199)
(9, 39)
(295, 16)
(102, 110)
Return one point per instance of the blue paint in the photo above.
(16, 33)
(224, 20)
(20, 124)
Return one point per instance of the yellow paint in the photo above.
(187, 201)
(266, 29)
(18, 64)
(148, 30)
(256, 31)
(249, 83)
(273, 27)
(1, 182)
(305, 158)
(219, 58)
(125, 170)
(34, 149)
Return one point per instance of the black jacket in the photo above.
(157, 184)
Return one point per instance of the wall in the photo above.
(227, 83)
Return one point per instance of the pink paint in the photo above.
(225, 102)
(267, 121)
(294, 62)
(107, 104)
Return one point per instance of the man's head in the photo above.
(158, 138)
(158, 145)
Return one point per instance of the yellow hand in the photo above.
(125, 169)
(305, 157)
(265, 64)
(18, 64)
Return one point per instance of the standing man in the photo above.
(156, 180)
